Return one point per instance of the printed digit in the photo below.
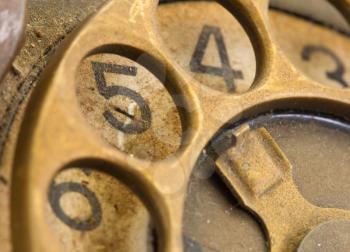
(226, 70)
(55, 194)
(338, 73)
(137, 126)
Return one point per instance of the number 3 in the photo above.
(338, 73)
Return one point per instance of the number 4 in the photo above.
(226, 70)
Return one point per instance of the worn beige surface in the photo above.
(223, 43)
(99, 219)
(151, 137)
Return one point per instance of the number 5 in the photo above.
(136, 126)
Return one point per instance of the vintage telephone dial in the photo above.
(133, 125)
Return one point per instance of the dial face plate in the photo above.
(132, 110)
(316, 147)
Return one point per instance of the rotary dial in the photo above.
(187, 126)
